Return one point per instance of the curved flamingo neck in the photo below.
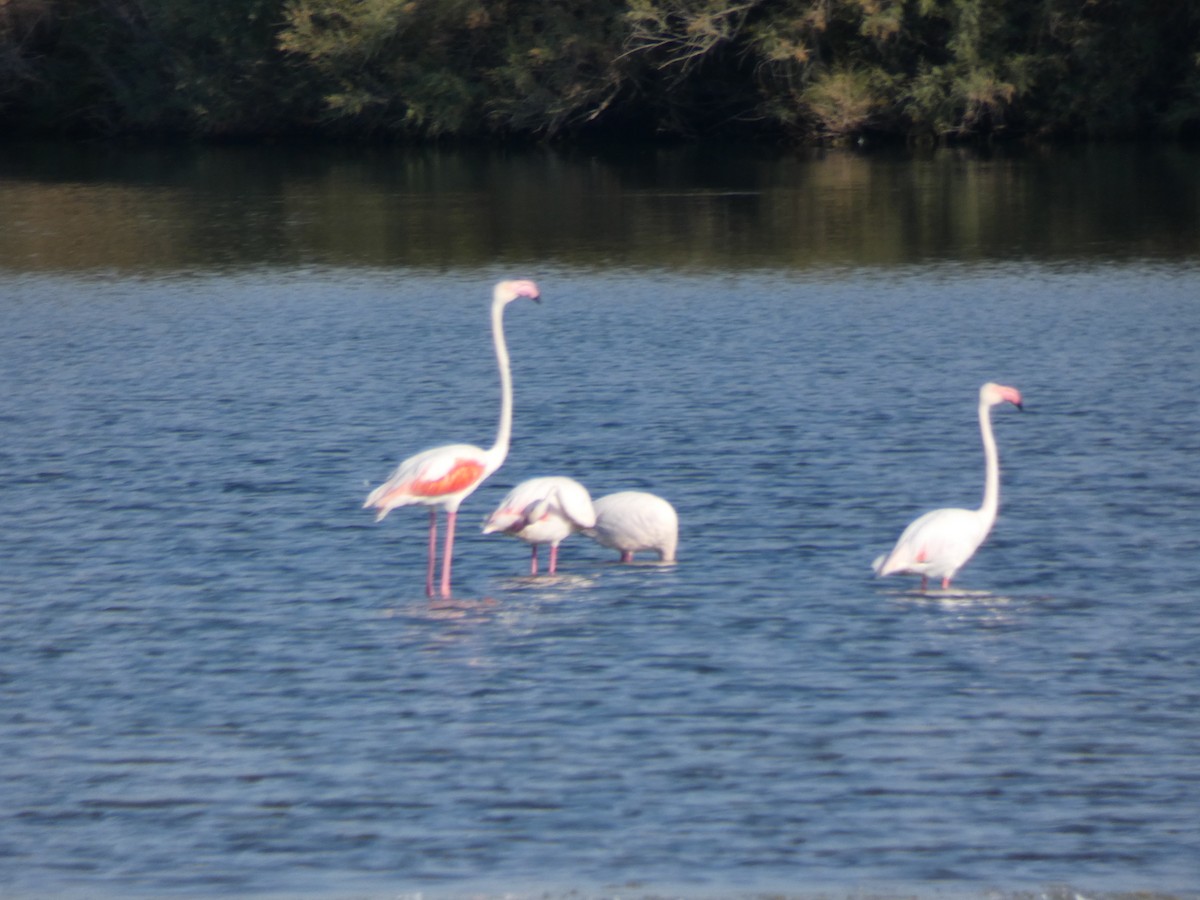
(499, 450)
(991, 481)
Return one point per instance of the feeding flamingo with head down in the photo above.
(631, 521)
(445, 476)
(543, 511)
(940, 542)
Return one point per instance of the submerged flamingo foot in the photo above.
(460, 608)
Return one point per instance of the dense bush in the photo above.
(804, 69)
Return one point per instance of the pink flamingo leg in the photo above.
(553, 559)
(533, 563)
(946, 583)
(451, 517)
(432, 551)
(924, 582)
(626, 556)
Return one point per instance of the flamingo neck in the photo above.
(991, 481)
(499, 450)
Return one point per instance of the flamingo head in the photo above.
(991, 394)
(508, 291)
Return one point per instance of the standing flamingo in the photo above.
(445, 476)
(629, 521)
(543, 511)
(940, 542)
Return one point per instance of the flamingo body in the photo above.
(543, 510)
(442, 477)
(936, 545)
(634, 521)
(940, 542)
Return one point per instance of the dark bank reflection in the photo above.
(85, 207)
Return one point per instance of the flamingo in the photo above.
(629, 521)
(940, 542)
(445, 476)
(543, 511)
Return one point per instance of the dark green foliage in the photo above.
(804, 69)
(459, 67)
(114, 66)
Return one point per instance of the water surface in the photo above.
(221, 678)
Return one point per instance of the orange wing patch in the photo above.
(464, 473)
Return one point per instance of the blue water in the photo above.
(219, 677)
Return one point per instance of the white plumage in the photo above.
(543, 511)
(634, 521)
